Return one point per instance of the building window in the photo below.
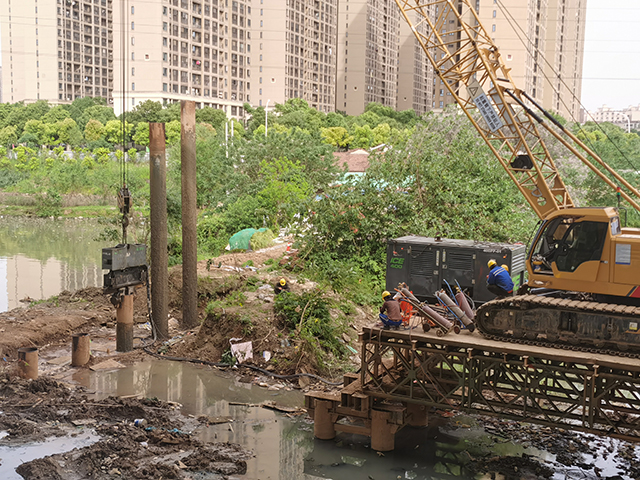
(493, 28)
(133, 40)
(133, 10)
(133, 86)
(133, 71)
(133, 25)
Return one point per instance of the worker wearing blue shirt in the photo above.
(499, 281)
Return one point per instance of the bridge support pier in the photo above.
(382, 431)
(324, 421)
(418, 415)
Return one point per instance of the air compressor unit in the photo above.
(429, 264)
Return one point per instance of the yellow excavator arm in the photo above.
(471, 68)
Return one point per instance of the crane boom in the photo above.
(465, 56)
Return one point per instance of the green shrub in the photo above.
(261, 240)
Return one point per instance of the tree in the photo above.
(337, 136)
(79, 105)
(56, 114)
(147, 111)
(170, 113)
(213, 116)
(8, 135)
(173, 132)
(101, 113)
(141, 137)
(363, 136)
(37, 129)
(68, 132)
(113, 132)
(93, 131)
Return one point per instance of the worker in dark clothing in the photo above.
(393, 315)
(281, 286)
(499, 281)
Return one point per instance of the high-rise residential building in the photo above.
(294, 43)
(56, 50)
(542, 41)
(415, 72)
(368, 49)
(172, 50)
(565, 53)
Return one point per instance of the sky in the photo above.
(611, 72)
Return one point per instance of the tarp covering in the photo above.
(242, 239)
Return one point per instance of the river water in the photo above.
(39, 258)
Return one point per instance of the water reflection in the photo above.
(280, 444)
(285, 448)
(39, 258)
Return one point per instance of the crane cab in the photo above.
(586, 250)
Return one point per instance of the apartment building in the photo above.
(626, 118)
(564, 52)
(56, 50)
(295, 52)
(542, 42)
(173, 50)
(416, 79)
(368, 52)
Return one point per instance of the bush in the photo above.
(261, 240)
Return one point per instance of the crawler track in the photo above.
(564, 323)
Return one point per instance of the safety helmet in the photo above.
(283, 282)
(491, 263)
(385, 294)
(506, 267)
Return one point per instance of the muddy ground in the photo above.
(165, 447)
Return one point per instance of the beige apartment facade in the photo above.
(173, 50)
(368, 53)
(566, 22)
(56, 50)
(416, 79)
(542, 42)
(295, 52)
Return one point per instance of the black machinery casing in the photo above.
(127, 265)
(425, 264)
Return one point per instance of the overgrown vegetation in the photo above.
(434, 177)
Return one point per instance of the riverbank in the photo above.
(49, 326)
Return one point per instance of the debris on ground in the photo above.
(137, 438)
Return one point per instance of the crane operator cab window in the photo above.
(569, 243)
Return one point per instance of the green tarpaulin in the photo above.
(242, 239)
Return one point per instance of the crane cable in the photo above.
(513, 23)
(124, 196)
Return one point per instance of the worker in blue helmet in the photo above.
(499, 281)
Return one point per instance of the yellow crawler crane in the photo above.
(583, 266)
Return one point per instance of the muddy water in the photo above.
(285, 448)
(39, 258)
(12, 457)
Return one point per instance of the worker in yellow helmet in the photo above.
(281, 286)
(393, 315)
(499, 281)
